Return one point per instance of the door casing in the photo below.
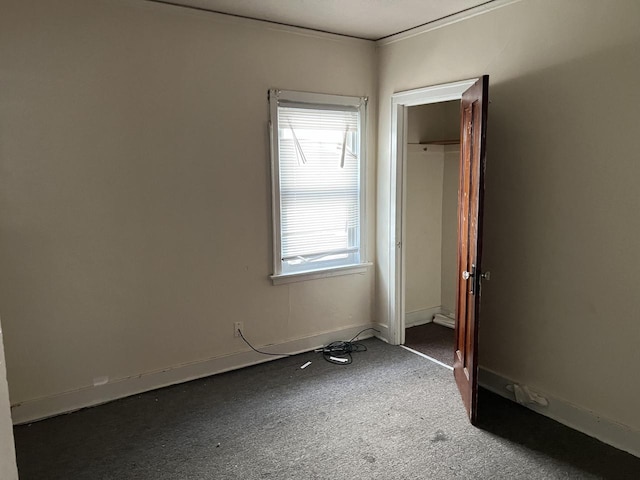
(400, 102)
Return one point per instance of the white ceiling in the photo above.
(370, 19)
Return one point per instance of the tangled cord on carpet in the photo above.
(338, 353)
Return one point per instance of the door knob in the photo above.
(486, 276)
(466, 275)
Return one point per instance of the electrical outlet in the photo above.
(237, 327)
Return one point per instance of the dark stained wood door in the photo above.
(473, 128)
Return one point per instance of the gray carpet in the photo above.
(389, 415)
(433, 340)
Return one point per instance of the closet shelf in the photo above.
(437, 142)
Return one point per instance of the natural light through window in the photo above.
(317, 184)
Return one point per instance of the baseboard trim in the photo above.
(426, 315)
(585, 421)
(67, 402)
(445, 319)
(382, 332)
(420, 317)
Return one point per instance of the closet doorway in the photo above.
(474, 100)
(431, 223)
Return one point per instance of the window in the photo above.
(317, 181)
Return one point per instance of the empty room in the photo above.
(220, 221)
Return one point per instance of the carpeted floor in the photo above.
(433, 340)
(390, 415)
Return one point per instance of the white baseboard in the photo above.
(382, 333)
(420, 317)
(585, 421)
(41, 408)
(445, 320)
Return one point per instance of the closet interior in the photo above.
(432, 178)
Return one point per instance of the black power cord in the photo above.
(264, 353)
(338, 353)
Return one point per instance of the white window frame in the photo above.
(323, 101)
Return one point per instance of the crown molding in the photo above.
(232, 19)
(446, 21)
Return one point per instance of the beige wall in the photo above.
(432, 202)
(134, 208)
(135, 218)
(8, 469)
(423, 242)
(450, 181)
(434, 122)
(561, 224)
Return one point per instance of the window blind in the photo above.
(319, 171)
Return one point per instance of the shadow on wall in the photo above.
(559, 223)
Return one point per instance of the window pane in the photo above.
(319, 187)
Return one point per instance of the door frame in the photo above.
(400, 103)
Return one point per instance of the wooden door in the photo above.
(473, 129)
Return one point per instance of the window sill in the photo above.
(329, 272)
